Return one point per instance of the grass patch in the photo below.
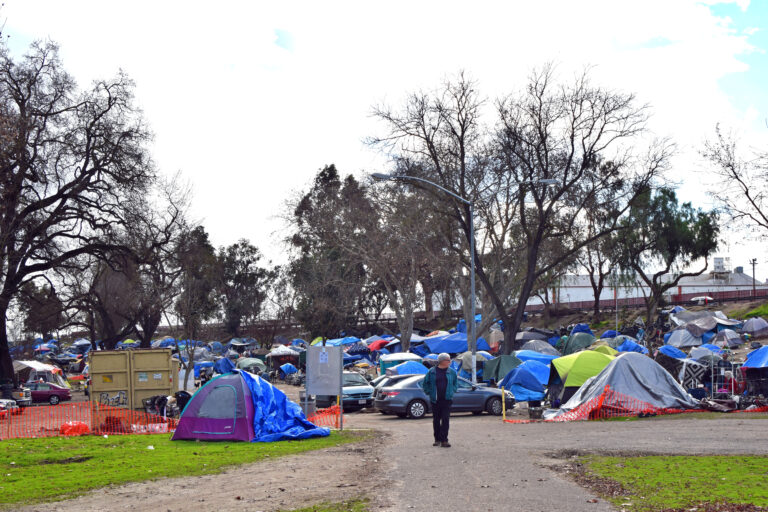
(761, 310)
(41, 470)
(600, 325)
(661, 482)
(360, 505)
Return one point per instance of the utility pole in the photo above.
(753, 262)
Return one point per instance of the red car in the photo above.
(49, 392)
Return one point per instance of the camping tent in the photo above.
(632, 375)
(241, 406)
(582, 328)
(497, 368)
(529, 335)
(527, 381)
(358, 348)
(681, 338)
(605, 349)
(456, 343)
(287, 369)
(755, 327)
(246, 363)
(530, 355)
(630, 346)
(390, 360)
(348, 340)
(543, 347)
(610, 333)
(671, 351)
(577, 341)
(480, 357)
(757, 358)
(727, 337)
(407, 368)
(575, 369)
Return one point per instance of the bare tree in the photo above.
(70, 164)
(741, 186)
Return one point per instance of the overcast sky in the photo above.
(249, 100)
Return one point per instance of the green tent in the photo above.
(249, 362)
(575, 369)
(498, 368)
(605, 349)
(576, 342)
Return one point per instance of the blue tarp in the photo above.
(530, 355)
(631, 346)
(202, 364)
(223, 365)
(669, 350)
(610, 333)
(757, 358)
(582, 328)
(298, 342)
(275, 418)
(454, 344)
(288, 369)
(349, 340)
(707, 336)
(408, 368)
(431, 356)
(677, 309)
(712, 348)
(358, 348)
(527, 381)
(553, 340)
(421, 350)
(216, 347)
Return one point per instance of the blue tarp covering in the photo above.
(408, 368)
(223, 365)
(677, 309)
(707, 336)
(431, 356)
(712, 348)
(527, 381)
(454, 344)
(553, 340)
(275, 418)
(757, 358)
(582, 328)
(349, 340)
(358, 348)
(421, 350)
(669, 350)
(288, 369)
(530, 355)
(202, 364)
(298, 342)
(631, 346)
(216, 347)
(610, 333)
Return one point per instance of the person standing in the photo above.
(440, 383)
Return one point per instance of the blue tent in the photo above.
(421, 350)
(610, 333)
(223, 365)
(677, 309)
(669, 350)
(582, 328)
(200, 365)
(216, 347)
(631, 346)
(288, 369)
(527, 381)
(712, 348)
(408, 368)
(530, 355)
(707, 337)
(454, 344)
(358, 348)
(298, 342)
(167, 342)
(553, 340)
(431, 356)
(757, 358)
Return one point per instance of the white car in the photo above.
(357, 393)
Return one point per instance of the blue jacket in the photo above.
(428, 384)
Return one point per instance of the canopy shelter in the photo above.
(632, 376)
(408, 368)
(496, 369)
(541, 346)
(527, 381)
(576, 342)
(574, 369)
(239, 406)
(35, 370)
(454, 344)
(727, 338)
(755, 327)
(681, 338)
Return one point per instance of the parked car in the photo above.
(49, 392)
(22, 395)
(8, 407)
(406, 398)
(357, 393)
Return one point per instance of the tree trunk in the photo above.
(7, 377)
(429, 291)
(525, 293)
(598, 291)
(148, 323)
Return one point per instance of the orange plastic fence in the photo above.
(47, 421)
(328, 417)
(612, 404)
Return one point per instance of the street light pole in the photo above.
(753, 262)
(472, 340)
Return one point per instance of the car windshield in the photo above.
(354, 379)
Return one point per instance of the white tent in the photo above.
(282, 350)
(681, 338)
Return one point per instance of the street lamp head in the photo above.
(382, 176)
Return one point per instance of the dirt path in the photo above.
(333, 474)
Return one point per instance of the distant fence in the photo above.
(81, 418)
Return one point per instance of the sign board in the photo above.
(324, 370)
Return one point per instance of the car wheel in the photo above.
(417, 409)
(53, 400)
(493, 406)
